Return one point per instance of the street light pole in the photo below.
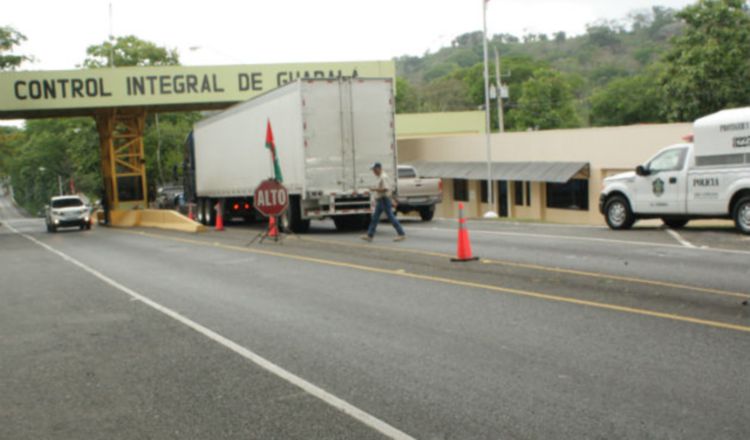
(488, 129)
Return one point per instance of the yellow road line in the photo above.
(449, 281)
(542, 268)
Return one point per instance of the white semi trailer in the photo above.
(327, 135)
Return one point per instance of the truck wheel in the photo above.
(199, 211)
(366, 220)
(294, 216)
(351, 222)
(618, 213)
(675, 223)
(210, 212)
(426, 214)
(742, 215)
(344, 223)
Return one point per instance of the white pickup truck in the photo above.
(709, 178)
(416, 193)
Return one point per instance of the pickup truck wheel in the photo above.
(742, 215)
(618, 213)
(675, 223)
(426, 214)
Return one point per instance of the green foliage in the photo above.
(406, 97)
(708, 65)
(129, 51)
(631, 100)
(446, 94)
(172, 130)
(546, 102)
(609, 51)
(10, 38)
(48, 148)
(8, 139)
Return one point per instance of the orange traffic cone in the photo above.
(273, 230)
(464, 245)
(219, 217)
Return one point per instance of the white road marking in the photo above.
(336, 402)
(679, 238)
(577, 238)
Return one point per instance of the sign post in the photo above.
(271, 199)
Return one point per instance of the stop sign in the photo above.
(271, 198)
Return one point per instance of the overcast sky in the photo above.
(274, 31)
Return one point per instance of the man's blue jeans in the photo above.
(383, 204)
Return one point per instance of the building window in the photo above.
(483, 191)
(528, 193)
(461, 190)
(571, 195)
(518, 193)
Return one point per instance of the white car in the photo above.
(67, 211)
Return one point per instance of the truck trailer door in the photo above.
(662, 191)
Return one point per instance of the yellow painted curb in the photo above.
(154, 218)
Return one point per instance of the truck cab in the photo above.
(709, 178)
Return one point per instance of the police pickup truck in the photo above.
(708, 178)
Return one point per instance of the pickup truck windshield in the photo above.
(66, 203)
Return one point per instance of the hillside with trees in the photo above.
(620, 72)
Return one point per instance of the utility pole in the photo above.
(500, 116)
(111, 40)
(488, 135)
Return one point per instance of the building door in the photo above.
(502, 198)
(662, 191)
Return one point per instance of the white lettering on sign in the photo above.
(271, 197)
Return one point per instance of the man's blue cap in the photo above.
(376, 165)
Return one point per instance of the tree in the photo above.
(446, 94)
(48, 148)
(631, 100)
(407, 100)
(9, 38)
(172, 127)
(130, 51)
(708, 65)
(546, 102)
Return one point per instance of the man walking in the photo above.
(382, 193)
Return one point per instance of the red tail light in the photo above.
(440, 185)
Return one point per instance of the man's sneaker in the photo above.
(400, 238)
(366, 238)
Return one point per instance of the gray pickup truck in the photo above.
(416, 193)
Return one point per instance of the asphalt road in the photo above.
(558, 332)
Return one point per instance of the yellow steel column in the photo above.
(123, 159)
